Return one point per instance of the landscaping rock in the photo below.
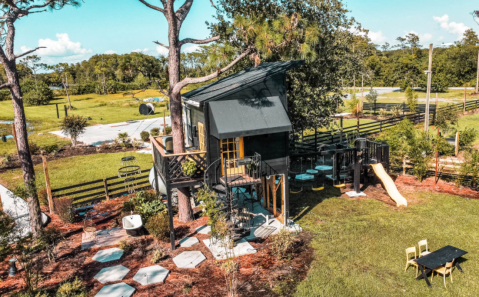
(116, 290)
(189, 241)
(189, 259)
(151, 275)
(112, 274)
(108, 255)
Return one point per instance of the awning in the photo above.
(248, 117)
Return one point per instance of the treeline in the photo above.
(405, 63)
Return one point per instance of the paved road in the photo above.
(379, 90)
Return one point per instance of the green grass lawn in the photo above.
(76, 170)
(360, 244)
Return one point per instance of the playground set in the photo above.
(342, 163)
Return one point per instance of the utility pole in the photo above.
(428, 94)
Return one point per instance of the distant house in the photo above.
(237, 131)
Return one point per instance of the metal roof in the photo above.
(238, 81)
(248, 117)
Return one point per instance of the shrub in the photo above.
(467, 137)
(74, 126)
(48, 239)
(282, 243)
(383, 113)
(443, 146)
(470, 167)
(34, 148)
(147, 204)
(167, 130)
(352, 103)
(396, 110)
(123, 137)
(124, 246)
(158, 226)
(5, 95)
(43, 197)
(64, 209)
(212, 209)
(137, 143)
(145, 136)
(157, 256)
(33, 95)
(412, 99)
(50, 148)
(372, 98)
(155, 132)
(189, 168)
(72, 289)
(446, 118)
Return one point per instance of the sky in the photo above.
(122, 26)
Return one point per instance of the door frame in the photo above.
(238, 170)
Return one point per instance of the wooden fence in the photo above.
(311, 143)
(102, 189)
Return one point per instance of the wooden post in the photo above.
(464, 99)
(48, 186)
(66, 113)
(477, 78)
(58, 113)
(428, 94)
(357, 116)
(106, 189)
(457, 144)
(170, 217)
(341, 130)
(362, 90)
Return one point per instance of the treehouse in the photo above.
(237, 133)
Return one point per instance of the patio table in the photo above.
(438, 258)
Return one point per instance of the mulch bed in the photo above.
(257, 276)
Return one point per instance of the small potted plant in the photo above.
(189, 168)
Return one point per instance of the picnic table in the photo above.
(438, 258)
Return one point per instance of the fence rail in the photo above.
(311, 143)
(101, 189)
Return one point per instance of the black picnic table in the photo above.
(438, 258)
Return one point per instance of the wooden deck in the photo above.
(240, 180)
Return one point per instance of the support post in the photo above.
(66, 113)
(357, 116)
(464, 99)
(58, 113)
(357, 169)
(105, 183)
(428, 94)
(477, 78)
(48, 186)
(341, 130)
(457, 144)
(170, 217)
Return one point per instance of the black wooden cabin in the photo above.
(237, 131)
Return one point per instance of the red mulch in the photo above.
(256, 277)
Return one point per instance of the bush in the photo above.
(470, 166)
(64, 209)
(123, 137)
(124, 246)
(167, 130)
(72, 289)
(467, 137)
(157, 256)
(43, 197)
(412, 99)
(147, 204)
(48, 239)
(443, 146)
(189, 168)
(34, 148)
(352, 103)
(50, 148)
(396, 110)
(282, 243)
(145, 136)
(158, 226)
(36, 96)
(5, 95)
(155, 132)
(74, 126)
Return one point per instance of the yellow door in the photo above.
(201, 136)
(231, 151)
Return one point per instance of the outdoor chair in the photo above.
(420, 245)
(409, 261)
(444, 270)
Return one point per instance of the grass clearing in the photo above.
(360, 244)
(76, 170)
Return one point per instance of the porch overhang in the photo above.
(248, 117)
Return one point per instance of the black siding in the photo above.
(272, 148)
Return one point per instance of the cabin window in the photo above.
(201, 136)
(231, 151)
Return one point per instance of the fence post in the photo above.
(403, 108)
(457, 144)
(47, 184)
(106, 189)
(58, 113)
(381, 126)
(341, 130)
(66, 113)
(464, 101)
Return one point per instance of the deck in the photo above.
(240, 180)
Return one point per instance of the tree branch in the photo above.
(163, 45)
(159, 86)
(194, 80)
(39, 6)
(152, 6)
(7, 85)
(29, 52)
(196, 41)
(183, 11)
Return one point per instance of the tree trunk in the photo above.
(66, 91)
(184, 205)
(23, 148)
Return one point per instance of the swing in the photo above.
(312, 171)
(303, 176)
(344, 179)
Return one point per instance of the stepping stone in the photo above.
(241, 248)
(151, 275)
(189, 241)
(115, 290)
(323, 167)
(189, 259)
(205, 229)
(108, 255)
(112, 274)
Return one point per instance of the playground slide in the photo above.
(389, 184)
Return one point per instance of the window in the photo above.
(231, 151)
(201, 136)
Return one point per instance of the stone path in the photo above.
(151, 275)
(116, 290)
(241, 248)
(108, 255)
(112, 274)
(104, 238)
(205, 229)
(188, 241)
(189, 259)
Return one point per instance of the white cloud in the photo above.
(61, 50)
(377, 37)
(452, 27)
(110, 52)
(440, 38)
(162, 50)
(426, 37)
(191, 48)
(139, 50)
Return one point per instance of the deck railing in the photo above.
(169, 166)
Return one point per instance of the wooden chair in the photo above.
(420, 245)
(409, 261)
(444, 270)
